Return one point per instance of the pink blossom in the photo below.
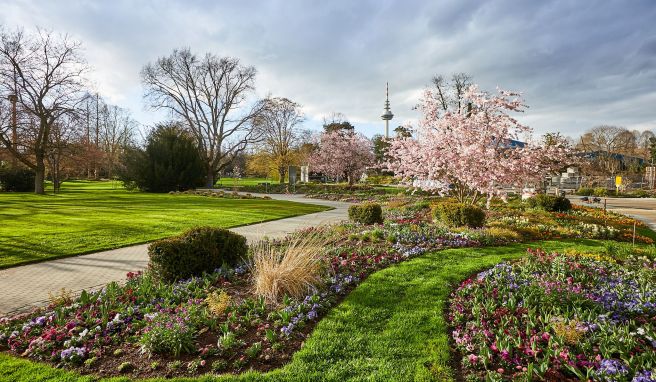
(471, 152)
(342, 154)
(473, 358)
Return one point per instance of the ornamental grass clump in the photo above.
(293, 269)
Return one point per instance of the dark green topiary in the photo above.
(196, 251)
(550, 203)
(366, 213)
(458, 215)
(170, 161)
(16, 179)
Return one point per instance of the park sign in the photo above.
(618, 181)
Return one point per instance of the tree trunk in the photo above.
(281, 174)
(210, 178)
(40, 177)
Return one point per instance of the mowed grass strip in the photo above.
(91, 216)
(390, 328)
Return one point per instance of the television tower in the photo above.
(387, 116)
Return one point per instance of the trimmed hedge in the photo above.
(459, 215)
(17, 180)
(366, 213)
(550, 203)
(196, 251)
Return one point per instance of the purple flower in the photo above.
(287, 330)
(72, 352)
(644, 376)
(610, 368)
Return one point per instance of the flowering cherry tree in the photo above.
(342, 154)
(473, 151)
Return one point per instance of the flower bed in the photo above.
(216, 324)
(558, 317)
(208, 324)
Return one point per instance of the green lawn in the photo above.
(91, 216)
(232, 182)
(390, 328)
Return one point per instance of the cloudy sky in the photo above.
(579, 63)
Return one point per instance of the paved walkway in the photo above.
(643, 209)
(27, 286)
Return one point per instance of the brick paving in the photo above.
(27, 286)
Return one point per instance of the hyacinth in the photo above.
(611, 369)
(539, 310)
(68, 354)
(644, 376)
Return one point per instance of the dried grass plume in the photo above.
(293, 268)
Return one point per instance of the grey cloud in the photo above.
(578, 63)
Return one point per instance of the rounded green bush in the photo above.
(459, 215)
(366, 213)
(16, 179)
(550, 203)
(585, 191)
(196, 251)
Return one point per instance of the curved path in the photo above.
(29, 285)
(643, 209)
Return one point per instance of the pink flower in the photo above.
(203, 363)
(500, 370)
(473, 358)
(546, 336)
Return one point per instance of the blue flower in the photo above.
(609, 369)
(644, 376)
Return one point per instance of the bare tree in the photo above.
(643, 140)
(45, 73)
(116, 131)
(606, 142)
(279, 128)
(610, 139)
(450, 94)
(211, 96)
(64, 144)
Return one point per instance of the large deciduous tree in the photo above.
(45, 73)
(472, 151)
(343, 154)
(210, 94)
(278, 127)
